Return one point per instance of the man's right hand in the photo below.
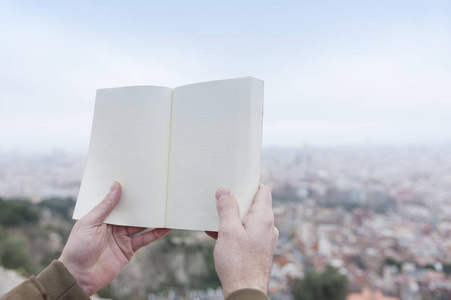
(244, 249)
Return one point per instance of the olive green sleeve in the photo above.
(53, 283)
(250, 294)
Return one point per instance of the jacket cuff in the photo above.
(59, 283)
(244, 294)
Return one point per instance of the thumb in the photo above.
(99, 213)
(228, 211)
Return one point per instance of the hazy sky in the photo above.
(335, 72)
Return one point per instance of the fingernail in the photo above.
(222, 193)
(113, 187)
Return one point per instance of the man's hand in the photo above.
(244, 249)
(96, 252)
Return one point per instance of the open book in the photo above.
(171, 149)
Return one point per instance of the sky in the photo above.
(337, 73)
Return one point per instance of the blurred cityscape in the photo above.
(380, 216)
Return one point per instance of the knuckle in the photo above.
(268, 220)
(226, 231)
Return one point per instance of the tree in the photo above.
(15, 212)
(64, 207)
(392, 262)
(326, 285)
(14, 254)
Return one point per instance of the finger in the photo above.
(99, 213)
(261, 217)
(228, 211)
(131, 230)
(148, 237)
(212, 234)
(262, 199)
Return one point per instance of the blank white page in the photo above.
(129, 144)
(215, 141)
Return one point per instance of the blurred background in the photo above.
(357, 135)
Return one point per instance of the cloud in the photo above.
(328, 79)
(395, 90)
(50, 75)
